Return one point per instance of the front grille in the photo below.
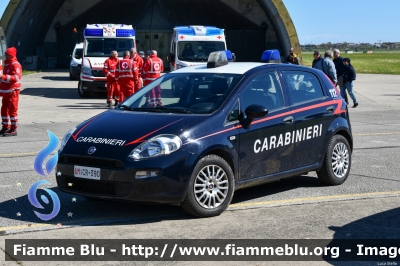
(98, 73)
(97, 187)
(90, 161)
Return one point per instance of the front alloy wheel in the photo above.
(210, 188)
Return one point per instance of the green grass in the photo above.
(381, 62)
(27, 72)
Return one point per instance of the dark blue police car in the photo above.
(231, 126)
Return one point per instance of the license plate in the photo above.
(86, 172)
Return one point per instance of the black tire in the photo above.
(220, 187)
(81, 92)
(338, 154)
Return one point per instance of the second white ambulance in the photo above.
(100, 40)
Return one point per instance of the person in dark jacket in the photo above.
(327, 66)
(317, 57)
(349, 75)
(338, 61)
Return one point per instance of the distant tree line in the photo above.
(352, 46)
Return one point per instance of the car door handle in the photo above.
(288, 120)
(330, 109)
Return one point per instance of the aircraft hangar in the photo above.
(45, 32)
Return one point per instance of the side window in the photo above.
(233, 114)
(303, 86)
(263, 90)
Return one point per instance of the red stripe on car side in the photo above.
(338, 110)
(216, 133)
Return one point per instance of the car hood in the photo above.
(116, 128)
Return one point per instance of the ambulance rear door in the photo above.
(3, 47)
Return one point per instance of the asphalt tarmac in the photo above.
(365, 206)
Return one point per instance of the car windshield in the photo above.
(101, 47)
(199, 93)
(198, 51)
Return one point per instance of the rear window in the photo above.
(303, 86)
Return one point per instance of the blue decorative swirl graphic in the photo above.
(33, 200)
(41, 156)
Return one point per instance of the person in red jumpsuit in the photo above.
(110, 65)
(139, 63)
(127, 75)
(152, 69)
(9, 88)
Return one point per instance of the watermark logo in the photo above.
(42, 155)
(34, 201)
(50, 165)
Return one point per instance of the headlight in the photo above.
(66, 138)
(87, 71)
(74, 64)
(157, 146)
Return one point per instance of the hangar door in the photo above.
(247, 45)
(66, 40)
(154, 20)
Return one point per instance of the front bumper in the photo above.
(94, 86)
(120, 184)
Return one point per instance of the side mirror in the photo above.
(253, 111)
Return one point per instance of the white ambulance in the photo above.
(100, 40)
(3, 48)
(190, 46)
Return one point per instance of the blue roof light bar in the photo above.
(125, 33)
(93, 32)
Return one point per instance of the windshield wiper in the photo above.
(148, 109)
(125, 107)
(163, 110)
(183, 111)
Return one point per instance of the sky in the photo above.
(352, 21)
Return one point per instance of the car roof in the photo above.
(230, 68)
(234, 68)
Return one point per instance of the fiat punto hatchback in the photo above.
(231, 126)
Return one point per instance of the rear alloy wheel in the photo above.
(81, 92)
(210, 188)
(337, 163)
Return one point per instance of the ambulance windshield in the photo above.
(101, 47)
(198, 51)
